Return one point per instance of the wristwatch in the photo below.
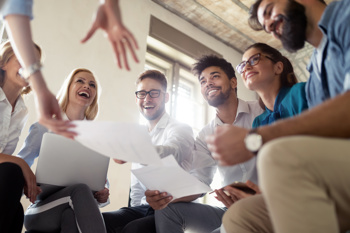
(253, 141)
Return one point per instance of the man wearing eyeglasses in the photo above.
(169, 137)
(303, 162)
(218, 84)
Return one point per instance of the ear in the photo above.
(233, 82)
(166, 97)
(278, 68)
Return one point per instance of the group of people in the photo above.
(290, 146)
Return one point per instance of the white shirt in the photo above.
(11, 123)
(204, 166)
(170, 137)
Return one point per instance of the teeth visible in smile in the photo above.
(84, 93)
(212, 91)
(148, 106)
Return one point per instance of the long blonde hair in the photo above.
(6, 52)
(63, 95)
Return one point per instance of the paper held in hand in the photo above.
(171, 178)
(124, 141)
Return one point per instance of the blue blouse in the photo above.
(290, 101)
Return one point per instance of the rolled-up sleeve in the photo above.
(17, 7)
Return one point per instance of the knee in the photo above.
(279, 154)
(12, 176)
(167, 213)
(81, 188)
(234, 215)
(11, 171)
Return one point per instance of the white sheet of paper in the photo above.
(170, 178)
(124, 141)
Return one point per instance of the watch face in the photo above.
(253, 142)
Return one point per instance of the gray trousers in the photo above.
(193, 217)
(70, 210)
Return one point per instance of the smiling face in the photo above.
(12, 76)
(286, 20)
(152, 108)
(216, 87)
(82, 90)
(265, 72)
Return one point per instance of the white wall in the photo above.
(58, 27)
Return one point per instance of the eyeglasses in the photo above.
(253, 60)
(143, 94)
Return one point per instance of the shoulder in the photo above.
(253, 107)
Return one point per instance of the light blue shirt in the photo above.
(18, 7)
(331, 77)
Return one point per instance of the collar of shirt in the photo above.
(242, 108)
(162, 123)
(20, 105)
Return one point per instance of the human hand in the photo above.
(31, 190)
(119, 161)
(102, 195)
(227, 145)
(108, 18)
(157, 200)
(50, 114)
(226, 199)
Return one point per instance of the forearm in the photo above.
(330, 119)
(18, 27)
(11, 159)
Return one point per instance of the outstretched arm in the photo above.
(18, 28)
(329, 119)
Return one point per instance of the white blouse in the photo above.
(11, 123)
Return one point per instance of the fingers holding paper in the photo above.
(157, 200)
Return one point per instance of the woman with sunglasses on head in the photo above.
(15, 174)
(74, 208)
(265, 70)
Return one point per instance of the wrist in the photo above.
(253, 141)
(27, 72)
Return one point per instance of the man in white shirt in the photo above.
(170, 138)
(219, 88)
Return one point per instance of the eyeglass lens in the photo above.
(152, 94)
(252, 61)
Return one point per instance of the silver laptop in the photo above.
(64, 162)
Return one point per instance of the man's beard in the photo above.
(220, 99)
(294, 27)
(155, 115)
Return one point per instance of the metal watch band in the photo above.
(30, 70)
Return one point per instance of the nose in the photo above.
(269, 25)
(148, 97)
(246, 67)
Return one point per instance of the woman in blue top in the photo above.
(74, 208)
(265, 70)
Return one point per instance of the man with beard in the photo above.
(304, 167)
(219, 88)
(169, 137)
